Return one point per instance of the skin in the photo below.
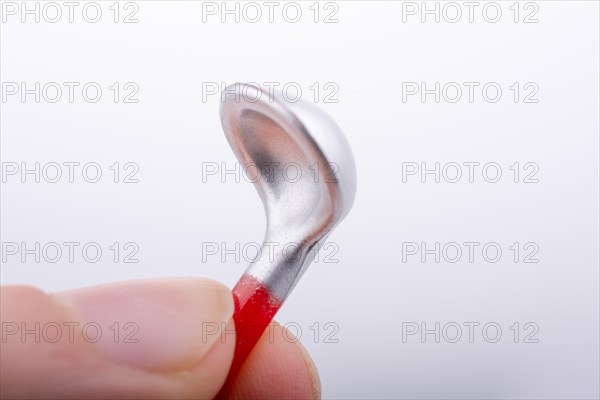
(167, 338)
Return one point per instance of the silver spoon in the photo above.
(277, 136)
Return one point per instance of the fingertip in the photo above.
(278, 368)
(159, 324)
(170, 354)
(313, 372)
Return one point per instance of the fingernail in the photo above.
(165, 325)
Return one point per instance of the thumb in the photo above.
(140, 339)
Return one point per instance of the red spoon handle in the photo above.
(255, 307)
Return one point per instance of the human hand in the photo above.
(150, 339)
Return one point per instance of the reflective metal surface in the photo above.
(305, 173)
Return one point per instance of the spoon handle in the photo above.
(255, 307)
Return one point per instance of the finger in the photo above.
(278, 368)
(141, 339)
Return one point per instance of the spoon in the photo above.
(307, 183)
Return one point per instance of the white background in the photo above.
(371, 293)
